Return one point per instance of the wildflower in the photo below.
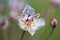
(29, 21)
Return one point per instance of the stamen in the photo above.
(27, 20)
(32, 19)
(29, 15)
(27, 23)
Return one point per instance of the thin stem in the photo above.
(3, 34)
(22, 35)
(50, 34)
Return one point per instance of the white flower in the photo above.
(29, 21)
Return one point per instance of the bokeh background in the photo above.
(47, 11)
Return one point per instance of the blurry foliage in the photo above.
(13, 32)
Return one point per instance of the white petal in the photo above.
(37, 24)
(32, 32)
(21, 24)
(37, 15)
(28, 9)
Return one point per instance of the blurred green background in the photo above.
(47, 11)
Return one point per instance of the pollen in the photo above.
(23, 22)
(26, 24)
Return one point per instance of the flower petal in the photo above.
(32, 32)
(37, 15)
(28, 10)
(38, 23)
(21, 24)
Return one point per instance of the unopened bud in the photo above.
(4, 23)
(53, 23)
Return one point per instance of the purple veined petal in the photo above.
(28, 10)
(38, 23)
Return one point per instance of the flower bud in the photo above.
(3, 23)
(53, 23)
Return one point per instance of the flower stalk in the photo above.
(22, 35)
(3, 32)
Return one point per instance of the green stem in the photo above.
(22, 35)
(50, 34)
(3, 34)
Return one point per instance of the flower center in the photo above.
(26, 23)
(27, 20)
(29, 15)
